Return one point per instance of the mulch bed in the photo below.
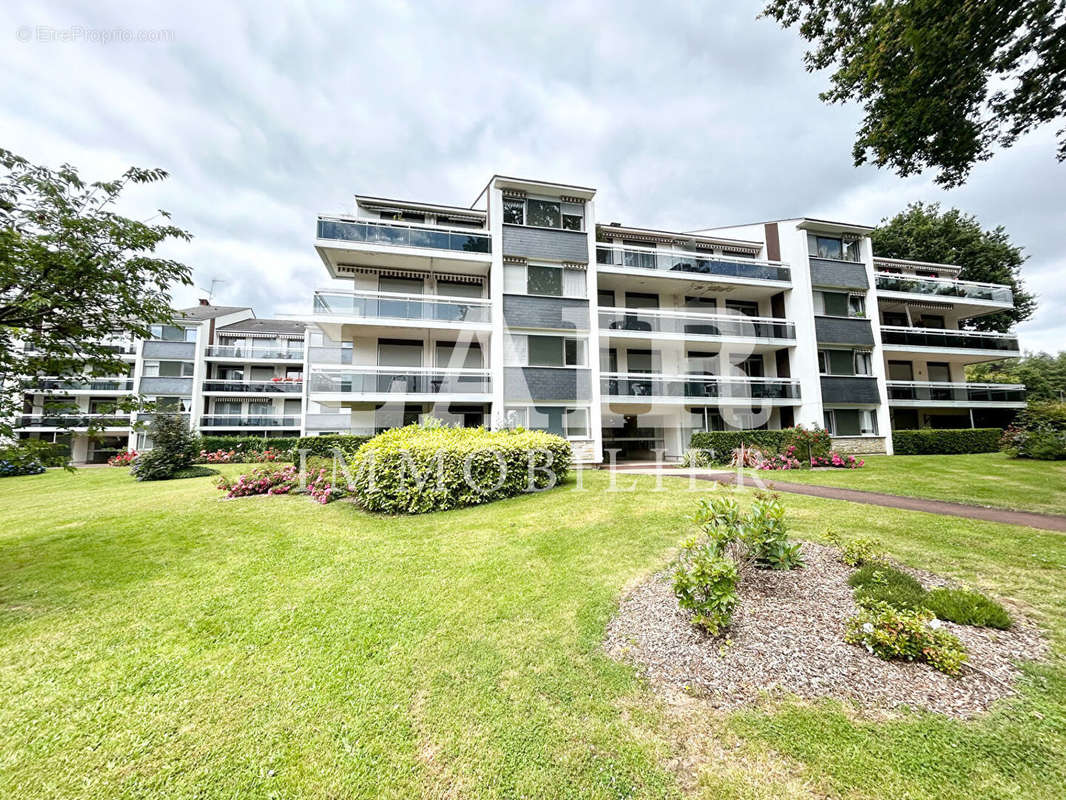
(788, 635)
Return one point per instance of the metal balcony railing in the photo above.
(944, 287)
(934, 391)
(77, 384)
(398, 234)
(734, 326)
(700, 263)
(387, 305)
(238, 352)
(696, 387)
(398, 380)
(943, 339)
(249, 421)
(74, 421)
(254, 387)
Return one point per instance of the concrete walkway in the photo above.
(1031, 519)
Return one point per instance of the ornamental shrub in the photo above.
(759, 538)
(967, 607)
(947, 441)
(122, 459)
(720, 445)
(837, 461)
(878, 582)
(16, 461)
(705, 584)
(1039, 432)
(174, 448)
(856, 552)
(418, 469)
(908, 635)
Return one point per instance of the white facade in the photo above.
(523, 310)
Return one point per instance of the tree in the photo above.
(923, 232)
(941, 81)
(174, 447)
(73, 272)
(1043, 375)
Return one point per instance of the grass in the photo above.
(157, 642)
(986, 479)
(967, 607)
(883, 583)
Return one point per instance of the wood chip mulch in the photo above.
(787, 636)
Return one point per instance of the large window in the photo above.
(850, 422)
(544, 280)
(544, 214)
(572, 423)
(168, 369)
(173, 333)
(844, 362)
(555, 351)
(839, 304)
(833, 247)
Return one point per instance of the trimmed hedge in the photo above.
(946, 441)
(414, 470)
(723, 443)
(323, 446)
(245, 443)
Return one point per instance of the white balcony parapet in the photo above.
(395, 306)
(402, 234)
(944, 287)
(401, 380)
(697, 387)
(685, 264)
(731, 326)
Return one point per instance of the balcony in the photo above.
(941, 340)
(405, 310)
(249, 421)
(653, 323)
(398, 234)
(79, 385)
(213, 386)
(932, 393)
(243, 354)
(385, 383)
(374, 243)
(74, 421)
(697, 388)
(985, 293)
(689, 264)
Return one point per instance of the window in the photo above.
(405, 216)
(839, 304)
(572, 423)
(833, 247)
(897, 319)
(746, 307)
(173, 333)
(399, 353)
(514, 212)
(555, 351)
(836, 362)
(856, 305)
(544, 280)
(543, 214)
(850, 422)
(862, 363)
(605, 297)
(168, 369)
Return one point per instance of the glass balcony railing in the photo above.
(74, 421)
(384, 305)
(722, 325)
(701, 263)
(402, 235)
(79, 384)
(401, 381)
(249, 421)
(933, 391)
(239, 352)
(697, 387)
(942, 287)
(280, 386)
(943, 339)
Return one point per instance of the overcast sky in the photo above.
(681, 117)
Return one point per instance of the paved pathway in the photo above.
(1049, 522)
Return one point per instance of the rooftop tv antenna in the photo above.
(211, 291)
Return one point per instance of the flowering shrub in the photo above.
(786, 460)
(909, 635)
(835, 459)
(14, 461)
(217, 457)
(286, 480)
(122, 459)
(237, 456)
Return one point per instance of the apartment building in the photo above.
(522, 309)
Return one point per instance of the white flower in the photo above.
(934, 623)
(868, 627)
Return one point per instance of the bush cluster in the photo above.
(174, 447)
(720, 445)
(947, 441)
(419, 468)
(213, 444)
(1039, 433)
(323, 446)
(857, 551)
(909, 635)
(317, 484)
(16, 461)
(710, 566)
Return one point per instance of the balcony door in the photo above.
(400, 309)
(404, 355)
(939, 372)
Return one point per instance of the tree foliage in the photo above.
(923, 232)
(942, 82)
(1043, 374)
(73, 272)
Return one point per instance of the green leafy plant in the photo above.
(1039, 432)
(720, 445)
(891, 633)
(877, 582)
(174, 448)
(858, 551)
(757, 538)
(692, 457)
(705, 584)
(967, 607)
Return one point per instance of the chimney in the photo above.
(204, 302)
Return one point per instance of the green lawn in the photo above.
(986, 479)
(159, 643)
